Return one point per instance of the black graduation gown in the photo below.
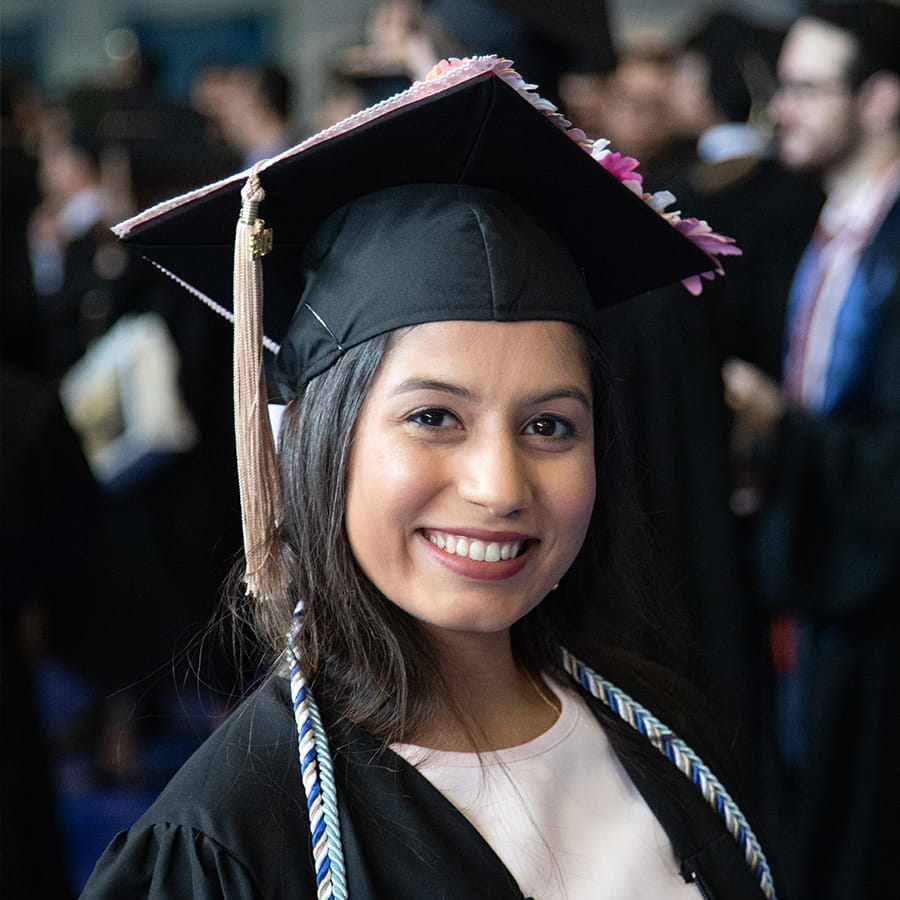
(233, 824)
(665, 351)
(827, 548)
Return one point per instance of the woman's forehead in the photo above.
(528, 355)
(816, 51)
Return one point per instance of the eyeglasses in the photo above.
(810, 90)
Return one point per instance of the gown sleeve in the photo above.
(166, 861)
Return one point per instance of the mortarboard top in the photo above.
(477, 124)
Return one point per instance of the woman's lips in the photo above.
(488, 556)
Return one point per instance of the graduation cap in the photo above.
(465, 197)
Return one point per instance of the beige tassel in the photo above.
(260, 490)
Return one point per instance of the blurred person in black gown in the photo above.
(253, 111)
(635, 109)
(405, 38)
(670, 374)
(662, 352)
(209, 89)
(19, 329)
(724, 78)
(45, 490)
(825, 442)
(163, 512)
(84, 565)
(75, 263)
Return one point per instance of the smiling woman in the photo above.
(441, 518)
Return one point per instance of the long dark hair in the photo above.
(366, 658)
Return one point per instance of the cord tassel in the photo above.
(260, 490)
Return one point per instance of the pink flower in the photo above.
(623, 167)
(712, 244)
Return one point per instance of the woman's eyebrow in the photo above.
(431, 384)
(560, 393)
(536, 399)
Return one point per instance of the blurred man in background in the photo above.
(724, 79)
(828, 444)
(635, 112)
(254, 113)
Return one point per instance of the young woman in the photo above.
(433, 563)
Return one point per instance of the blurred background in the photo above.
(119, 508)
(68, 44)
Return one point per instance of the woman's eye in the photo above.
(550, 426)
(433, 418)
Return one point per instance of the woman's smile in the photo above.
(480, 555)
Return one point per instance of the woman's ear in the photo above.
(879, 103)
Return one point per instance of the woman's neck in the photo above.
(502, 705)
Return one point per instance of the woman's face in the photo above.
(471, 478)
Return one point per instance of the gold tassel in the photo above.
(260, 489)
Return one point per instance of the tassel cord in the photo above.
(257, 463)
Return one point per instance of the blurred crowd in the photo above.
(763, 417)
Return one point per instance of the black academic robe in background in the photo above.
(666, 374)
(770, 212)
(665, 351)
(233, 823)
(827, 545)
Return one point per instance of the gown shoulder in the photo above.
(227, 825)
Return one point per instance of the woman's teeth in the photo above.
(481, 551)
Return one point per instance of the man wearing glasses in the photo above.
(827, 442)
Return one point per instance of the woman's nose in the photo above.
(493, 473)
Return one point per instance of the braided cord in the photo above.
(684, 758)
(318, 778)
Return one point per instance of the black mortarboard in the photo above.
(465, 197)
(476, 131)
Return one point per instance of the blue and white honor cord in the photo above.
(318, 779)
(684, 758)
(321, 792)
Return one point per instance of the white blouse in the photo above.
(561, 812)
